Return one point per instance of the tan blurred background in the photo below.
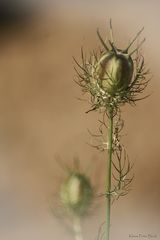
(41, 118)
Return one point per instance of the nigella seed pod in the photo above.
(112, 76)
(76, 194)
(114, 71)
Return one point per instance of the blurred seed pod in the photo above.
(76, 194)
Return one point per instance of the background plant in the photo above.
(75, 197)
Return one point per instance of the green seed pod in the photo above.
(76, 194)
(114, 71)
(112, 76)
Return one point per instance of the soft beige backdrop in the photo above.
(41, 118)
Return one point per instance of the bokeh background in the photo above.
(41, 118)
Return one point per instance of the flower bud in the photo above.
(114, 71)
(76, 194)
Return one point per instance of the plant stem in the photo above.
(109, 174)
(77, 228)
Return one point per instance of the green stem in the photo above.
(77, 228)
(109, 175)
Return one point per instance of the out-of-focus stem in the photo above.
(109, 175)
(77, 228)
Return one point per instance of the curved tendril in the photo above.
(138, 46)
(111, 32)
(134, 39)
(102, 41)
